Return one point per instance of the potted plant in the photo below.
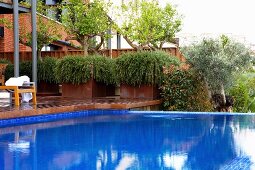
(25, 69)
(47, 81)
(141, 73)
(3, 64)
(85, 77)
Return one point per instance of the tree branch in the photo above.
(161, 45)
(100, 44)
(152, 47)
(131, 43)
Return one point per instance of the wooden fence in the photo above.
(114, 53)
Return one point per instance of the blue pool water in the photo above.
(131, 141)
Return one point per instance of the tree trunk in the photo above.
(85, 45)
(222, 92)
(161, 45)
(100, 44)
(39, 55)
(130, 42)
(209, 93)
(152, 47)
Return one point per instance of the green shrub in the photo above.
(79, 69)
(9, 69)
(25, 68)
(184, 90)
(46, 69)
(9, 72)
(5, 61)
(243, 92)
(240, 94)
(144, 67)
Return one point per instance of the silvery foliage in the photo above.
(218, 60)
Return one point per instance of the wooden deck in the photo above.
(58, 104)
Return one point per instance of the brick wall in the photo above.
(6, 1)
(8, 35)
(1, 39)
(6, 43)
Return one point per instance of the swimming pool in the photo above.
(130, 140)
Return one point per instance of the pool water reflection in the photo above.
(131, 142)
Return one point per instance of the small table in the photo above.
(26, 88)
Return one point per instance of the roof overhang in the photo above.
(62, 43)
(6, 8)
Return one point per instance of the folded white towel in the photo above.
(14, 81)
(19, 81)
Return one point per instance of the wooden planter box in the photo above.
(142, 92)
(47, 89)
(89, 90)
(110, 90)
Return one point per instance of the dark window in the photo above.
(1, 31)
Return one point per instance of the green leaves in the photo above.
(25, 69)
(6, 22)
(47, 30)
(243, 92)
(147, 23)
(240, 94)
(218, 60)
(77, 69)
(86, 19)
(185, 90)
(46, 70)
(144, 67)
(4, 61)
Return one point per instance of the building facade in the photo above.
(6, 33)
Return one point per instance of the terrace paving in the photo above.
(58, 104)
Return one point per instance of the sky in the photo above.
(214, 17)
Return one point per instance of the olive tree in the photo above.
(144, 23)
(85, 20)
(218, 61)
